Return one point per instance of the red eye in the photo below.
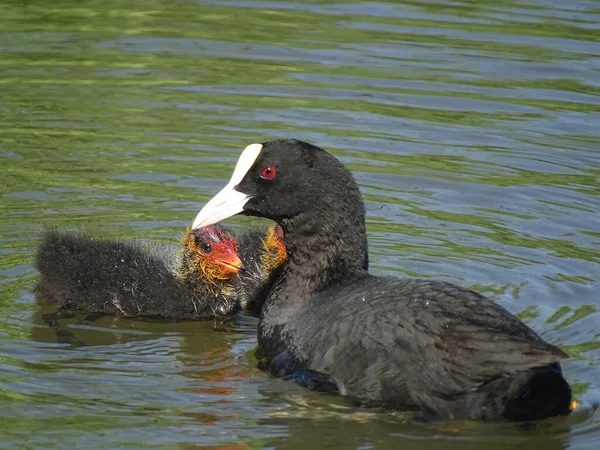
(268, 172)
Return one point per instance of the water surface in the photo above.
(472, 128)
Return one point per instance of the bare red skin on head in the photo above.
(279, 233)
(221, 262)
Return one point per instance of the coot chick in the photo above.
(79, 272)
(381, 341)
(264, 255)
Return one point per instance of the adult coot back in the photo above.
(382, 341)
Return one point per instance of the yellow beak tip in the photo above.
(574, 404)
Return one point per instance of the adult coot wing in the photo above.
(432, 344)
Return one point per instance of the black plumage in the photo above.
(80, 272)
(381, 341)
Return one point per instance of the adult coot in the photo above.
(382, 341)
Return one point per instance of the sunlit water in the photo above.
(472, 128)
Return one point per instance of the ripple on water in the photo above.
(470, 127)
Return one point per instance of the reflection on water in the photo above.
(470, 126)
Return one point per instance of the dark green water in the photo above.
(472, 128)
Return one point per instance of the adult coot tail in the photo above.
(382, 341)
(536, 394)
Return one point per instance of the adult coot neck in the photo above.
(322, 253)
(326, 247)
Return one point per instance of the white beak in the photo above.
(229, 202)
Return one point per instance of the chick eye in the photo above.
(205, 247)
(268, 172)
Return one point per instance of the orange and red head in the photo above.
(211, 253)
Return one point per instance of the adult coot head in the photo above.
(310, 194)
(282, 180)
